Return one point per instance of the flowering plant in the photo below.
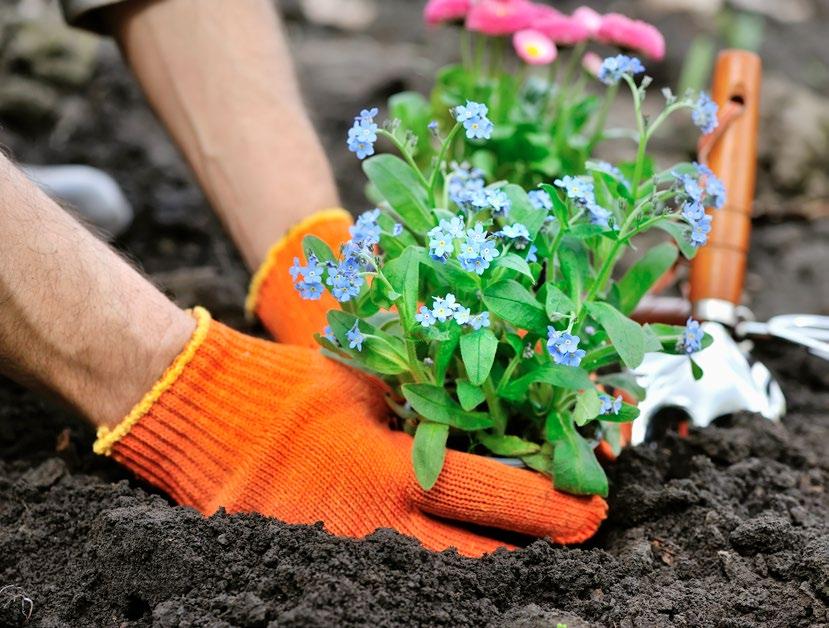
(491, 311)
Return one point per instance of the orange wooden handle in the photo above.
(718, 270)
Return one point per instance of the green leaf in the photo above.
(414, 112)
(569, 377)
(445, 352)
(627, 413)
(575, 468)
(680, 233)
(558, 304)
(382, 352)
(513, 262)
(478, 353)
(575, 268)
(402, 189)
(312, 244)
(434, 404)
(403, 274)
(511, 301)
(696, 370)
(522, 210)
(585, 231)
(652, 341)
(644, 274)
(470, 396)
(559, 205)
(624, 381)
(626, 335)
(511, 446)
(588, 406)
(449, 273)
(429, 452)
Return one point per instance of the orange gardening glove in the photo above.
(272, 296)
(260, 427)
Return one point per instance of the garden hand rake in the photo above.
(732, 380)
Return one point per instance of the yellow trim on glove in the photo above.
(108, 437)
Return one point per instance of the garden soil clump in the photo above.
(729, 527)
(726, 528)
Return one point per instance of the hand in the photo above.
(255, 426)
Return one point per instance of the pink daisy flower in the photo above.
(636, 35)
(562, 29)
(439, 11)
(500, 17)
(589, 18)
(534, 47)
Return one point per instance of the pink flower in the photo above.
(534, 47)
(500, 17)
(631, 34)
(438, 11)
(591, 20)
(592, 63)
(562, 29)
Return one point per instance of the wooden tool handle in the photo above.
(718, 270)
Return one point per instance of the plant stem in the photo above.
(516, 360)
(601, 120)
(432, 183)
(406, 155)
(495, 407)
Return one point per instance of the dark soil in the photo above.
(729, 527)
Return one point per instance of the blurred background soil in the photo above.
(728, 528)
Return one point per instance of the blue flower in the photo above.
(464, 185)
(531, 254)
(397, 229)
(365, 233)
(440, 243)
(515, 231)
(700, 230)
(714, 188)
(564, 347)
(477, 233)
(433, 126)
(498, 200)
(329, 335)
(444, 308)
(704, 113)
(462, 315)
(355, 338)
(614, 68)
(598, 215)
(345, 279)
(309, 291)
(425, 316)
(692, 335)
(453, 227)
(579, 189)
(474, 120)
(479, 320)
(609, 404)
(363, 134)
(540, 199)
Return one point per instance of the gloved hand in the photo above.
(272, 296)
(260, 427)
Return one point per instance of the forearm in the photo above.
(228, 95)
(76, 320)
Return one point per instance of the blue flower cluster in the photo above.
(363, 134)
(467, 189)
(564, 347)
(698, 190)
(517, 233)
(540, 199)
(475, 254)
(474, 120)
(580, 191)
(355, 338)
(614, 68)
(447, 308)
(310, 284)
(704, 113)
(609, 404)
(692, 335)
(345, 277)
